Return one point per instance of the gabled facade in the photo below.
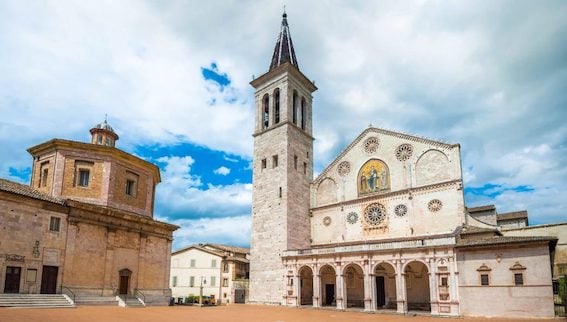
(383, 227)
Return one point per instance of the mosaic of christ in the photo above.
(373, 177)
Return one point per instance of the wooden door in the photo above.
(124, 281)
(380, 292)
(49, 279)
(12, 281)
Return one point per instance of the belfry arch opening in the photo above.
(354, 286)
(385, 286)
(306, 285)
(328, 285)
(417, 286)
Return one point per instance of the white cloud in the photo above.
(223, 171)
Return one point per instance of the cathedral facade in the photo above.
(383, 227)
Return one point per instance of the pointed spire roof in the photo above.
(284, 52)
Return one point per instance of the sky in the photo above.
(173, 77)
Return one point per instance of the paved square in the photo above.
(240, 313)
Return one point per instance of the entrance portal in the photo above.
(124, 281)
(417, 285)
(306, 286)
(49, 279)
(385, 281)
(12, 282)
(328, 279)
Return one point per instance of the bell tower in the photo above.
(283, 169)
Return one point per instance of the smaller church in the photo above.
(84, 226)
(384, 226)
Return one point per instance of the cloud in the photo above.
(223, 171)
(229, 230)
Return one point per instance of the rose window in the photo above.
(404, 152)
(344, 168)
(435, 205)
(401, 210)
(371, 145)
(375, 214)
(352, 218)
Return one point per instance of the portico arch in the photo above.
(385, 286)
(354, 285)
(417, 286)
(306, 285)
(328, 287)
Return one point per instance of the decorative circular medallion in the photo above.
(344, 168)
(435, 205)
(327, 221)
(375, 214)
(352, 217)
(371, 145)
(404, 152)
(401, 210)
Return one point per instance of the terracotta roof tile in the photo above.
(25, 190)
(500, 240)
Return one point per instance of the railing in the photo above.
(67, 291)
(139, 294)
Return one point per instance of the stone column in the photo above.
(401, 293)
(316, 290)
(297, 289)
(339, 296)
(368, 302)
(433, 288)
(454, 287)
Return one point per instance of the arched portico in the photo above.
(417, 286)
(328, 286)
(306, 286)
(354, 286)
(385, 296)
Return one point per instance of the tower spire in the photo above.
(283, 51)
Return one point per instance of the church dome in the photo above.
(104, 126)
(103, 134)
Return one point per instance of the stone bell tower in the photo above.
(283, 169)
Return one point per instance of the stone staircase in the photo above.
(95, 300)
(131, 301)
(35, 301)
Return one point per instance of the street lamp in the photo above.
(203, 281)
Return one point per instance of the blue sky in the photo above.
(173, 78)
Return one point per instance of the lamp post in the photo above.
(203, 281)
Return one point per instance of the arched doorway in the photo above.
(385, 283)
(354, 285)
(417, 286)
(328, 280)
(124, 283)
(306, 285)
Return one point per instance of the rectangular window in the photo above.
(192, 263)
(280, 193)
(264, 163)
(518, 279)
(444, 281)
(131, 187)
(295, 162)
(224, 295)
(484, 279)
(54, 224)
(304, 167)
(174, 281)
(214, 263)
(84, 175)
(274, 161)
(192, 281)
(225, 282)
(44, 174)
(225, 268)
(213, 280)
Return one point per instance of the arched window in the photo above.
(294, 107)
(276, 106)
(303, 107)
(266, 109)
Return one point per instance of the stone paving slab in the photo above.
(239, 313)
